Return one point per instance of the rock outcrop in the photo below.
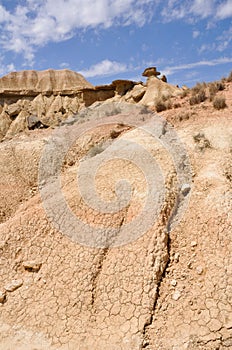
(32, 83)
(31, 99)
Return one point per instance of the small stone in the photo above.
(176, 296)
(2, 244)
(2, 297)
(173, 283)
(32, 121)
(189, 265)
(32, 266)
(193, 244)
(185, 189)
(176, 257)
(13, 285)
(199, 270)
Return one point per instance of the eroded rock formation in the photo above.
(31, 99)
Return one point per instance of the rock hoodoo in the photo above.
(150, 72)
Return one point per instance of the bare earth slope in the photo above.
(89, 262)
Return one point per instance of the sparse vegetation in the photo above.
(229, 79)
(201, 141)
(198, 97)
(198, 88)
(184, 92)
(212, 91)
(177, 105)
(219, 102)
(184, 116)
(160, 106)
(198, 94)
(163, 104)
(214, 88)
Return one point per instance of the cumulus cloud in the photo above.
(202, 8)
(39, 22)
(225, 10)
(214, 62)
(31, 24)
(104, 68)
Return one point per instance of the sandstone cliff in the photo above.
(31, 99)
(50, 81)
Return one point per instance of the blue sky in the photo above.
(189, 41)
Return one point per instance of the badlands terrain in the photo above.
(115, 213)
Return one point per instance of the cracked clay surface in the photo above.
(166, 290)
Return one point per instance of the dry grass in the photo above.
(197, 98)
(219, 103)
(198, 94)
(163, 104)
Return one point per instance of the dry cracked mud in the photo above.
(168, 288)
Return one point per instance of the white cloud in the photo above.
(174, 10)
(177, 9)
(39, 22)
(196, 33)
(4, 15)
(35, 23)
(225, 10)
(64, 65)
(104, 68)
(202, 8)
(220, 44)
(214, 62)
(6, 68)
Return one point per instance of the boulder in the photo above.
(5, 123)
(164, 78)
(150, 72)
(14, 109)
(122, 86)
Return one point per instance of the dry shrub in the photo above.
(229, 79)
(197, 98)
(163, 104)
(212, 91)
(198, 88)
(184, 93)
(220, 85)
(214, 88)
(219, 103)
(177, 105)
(198, 94)
(184, 116)
(201, 141)
(160, 106)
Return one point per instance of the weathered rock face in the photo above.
(52, 96)
(50, 81)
